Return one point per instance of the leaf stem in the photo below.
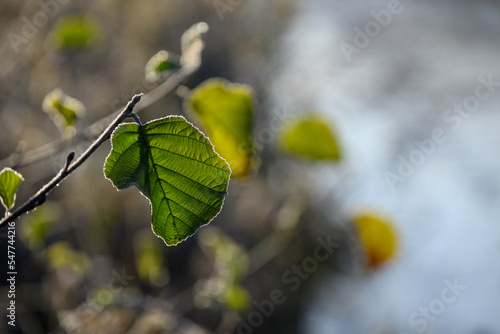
(136, 118)
(69, 167)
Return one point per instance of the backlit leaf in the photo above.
(226, 112)
(9, 183)
(310, 137)
(377, 237)
(75, 31)
(161, 65)
(175, 166)
(64, 110)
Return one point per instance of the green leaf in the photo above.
(9, 183)
(161, 65)
(63, 109)
(75, 31)
(310, 137)
(175, 166)
(226, 112)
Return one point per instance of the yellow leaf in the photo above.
(310, 137)
(225, 110)
(377, 237)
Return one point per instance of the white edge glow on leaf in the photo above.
(149, 201)
(8, 169)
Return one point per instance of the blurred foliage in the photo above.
(9, 183)
(75, 31)
(161, 66)
(37, 224)
(104, 238)
(192, 44)
(377, 237)
(61, 255)
(64, 110)
(149, 259)
(230, 264)
(226, 112)
(310, 137)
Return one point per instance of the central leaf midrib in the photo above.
(146, 144)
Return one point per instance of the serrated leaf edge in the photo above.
(149, 201)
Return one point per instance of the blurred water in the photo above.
(395, 91)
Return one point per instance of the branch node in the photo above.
(69, 159)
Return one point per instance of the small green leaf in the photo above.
(162, 65)
(63, 109)
(175, 166)
(310, 137)
(226, 112)
(9, 183)
(75, 31)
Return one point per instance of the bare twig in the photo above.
(70, 167)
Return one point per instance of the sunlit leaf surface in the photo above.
(174, 165)
(161, 65)
(310, 137)
(64, 110)
(9, 183)
(226, 112)
(377, 237)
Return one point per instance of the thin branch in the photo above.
(70, 167)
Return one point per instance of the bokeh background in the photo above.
(87, 260)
